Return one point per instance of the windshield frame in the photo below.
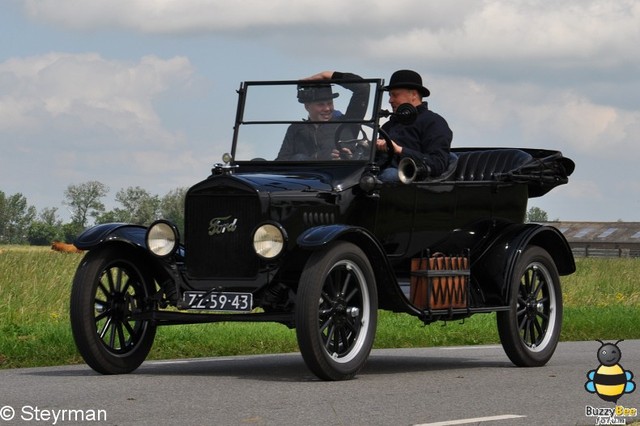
(370, 121)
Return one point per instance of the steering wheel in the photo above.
(357, 142)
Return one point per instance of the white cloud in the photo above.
(598, 130)
(78, 117)
(87, 94)
(524, 114)
(462, 30)
(177, 16)
(544, 34)
(583, 189)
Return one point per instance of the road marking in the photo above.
(474, 420)
(167, 362)
(459, 348)
(195, 360)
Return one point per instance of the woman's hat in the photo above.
(315, 93)
(407, 79)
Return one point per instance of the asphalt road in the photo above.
(461, 385)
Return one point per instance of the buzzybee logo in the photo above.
(610, 381)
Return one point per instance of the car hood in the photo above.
(320, 178)
(287, 182)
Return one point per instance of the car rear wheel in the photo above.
(336, 311)
(530, 330)
(107, 290)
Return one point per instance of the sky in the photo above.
(143, 92)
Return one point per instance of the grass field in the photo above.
(601, 301)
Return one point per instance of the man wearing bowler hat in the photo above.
(316, 141)
(427, 140)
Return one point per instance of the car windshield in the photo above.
(306, 121)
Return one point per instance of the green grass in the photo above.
(601, 302)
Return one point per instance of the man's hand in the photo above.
(343, 154)
(381, 145)
(324, 75)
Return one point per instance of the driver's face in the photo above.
(320, 111)
(404, 96)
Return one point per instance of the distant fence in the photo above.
(601, 239)
(581, 250)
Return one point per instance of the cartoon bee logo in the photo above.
(609, 381)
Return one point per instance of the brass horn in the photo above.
(409, 170)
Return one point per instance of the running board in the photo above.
(176, 318)
(432, 315)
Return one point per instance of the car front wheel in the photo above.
(108, 288)
(336, 311)
(530, 330)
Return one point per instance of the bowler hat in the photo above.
(407, 79)
(315, 93)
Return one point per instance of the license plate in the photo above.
(219, 301)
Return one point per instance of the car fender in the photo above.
(494, 268)
(122, 232)
(390, 295)
(130, 235)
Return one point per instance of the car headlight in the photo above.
(162, 238)
(268, 241)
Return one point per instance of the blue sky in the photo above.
(142, 92)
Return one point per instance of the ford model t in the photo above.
(321, 243)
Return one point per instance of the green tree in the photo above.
(49, 215)
(41, 234)
(139, 206)
(84, 201)
(536, 214)
(46, 229)
(70, 231)
(15, 217)
(111, 216)
(3, 216)
(172, 207)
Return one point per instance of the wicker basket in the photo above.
(439, 282)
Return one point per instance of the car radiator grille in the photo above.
(218, 236)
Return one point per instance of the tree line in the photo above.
(21, 223)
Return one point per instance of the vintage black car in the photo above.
(320, 244)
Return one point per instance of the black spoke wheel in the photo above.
(530, 330)
(107, 290)
(336, 311)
